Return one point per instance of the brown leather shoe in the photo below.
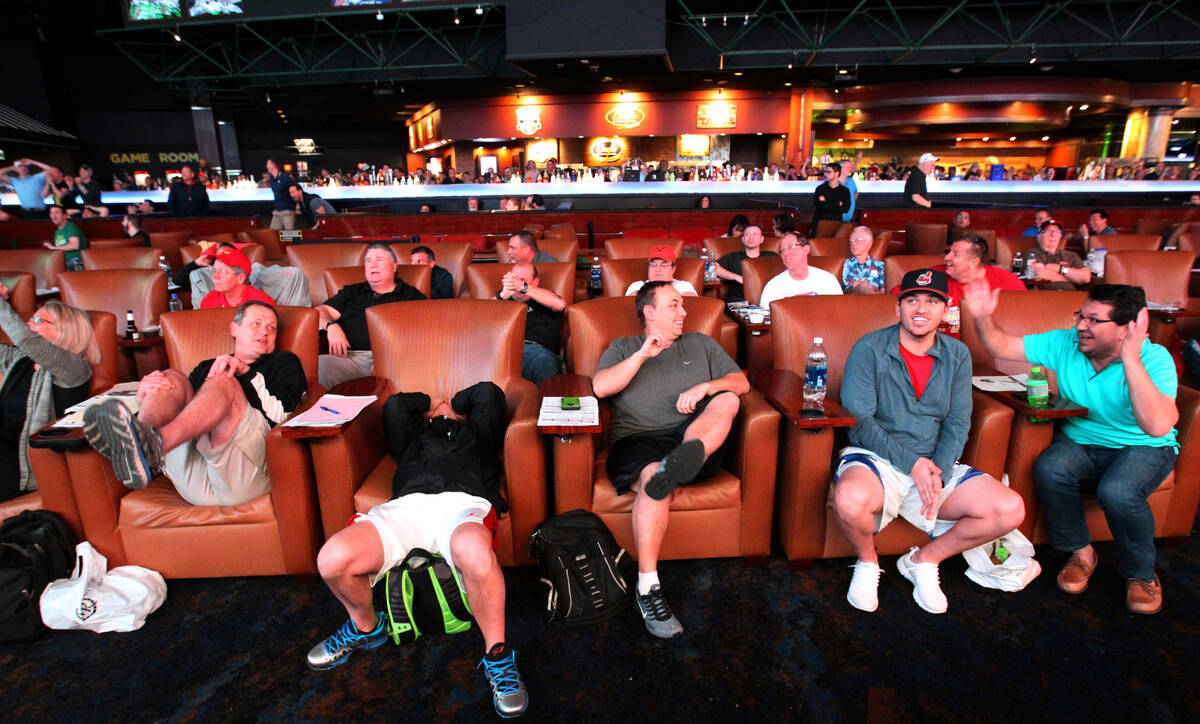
(1143, 596)
(1073, 578)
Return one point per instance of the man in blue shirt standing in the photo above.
(283, 216)
(1121, 451)
(30, 188)
(848, 182)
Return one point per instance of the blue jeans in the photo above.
(1121, 478)
(538, 363)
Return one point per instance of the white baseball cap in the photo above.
(927, 157)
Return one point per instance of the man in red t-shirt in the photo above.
(231, 271)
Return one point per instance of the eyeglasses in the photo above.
(39, 319)
(661, 265)
(1091, 321)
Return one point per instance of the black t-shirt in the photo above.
(352, 302)
(542, 324)
(89, 192)
(273, 385)
(67, 201)
(915, 185)
(441, 284)
(732, 262)
(836, 203)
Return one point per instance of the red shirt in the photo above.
(920, 367)
(996, 277)
(217, 300)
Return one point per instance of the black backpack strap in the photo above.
(451, 591)
(401, 626)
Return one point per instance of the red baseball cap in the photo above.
(234, 257)
(664, 252)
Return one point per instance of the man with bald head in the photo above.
(540, 357)
(729, 267)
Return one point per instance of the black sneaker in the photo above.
(134, 447)
(508, 691)
(679, 468)
(657, 614)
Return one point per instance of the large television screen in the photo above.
(201, 8)
(140, 10)
(359, 3)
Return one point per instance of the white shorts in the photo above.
(229, 474)
(424, 520)
(900, 495)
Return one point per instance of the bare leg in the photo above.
(649, 520)
(161, 406)
(347, 562)
(215, 409)
(471, 548)
(984, 508)
(712, 426)
(857, 498)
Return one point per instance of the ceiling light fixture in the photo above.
(1045, 138)
(958, 140)
(457, 20)
(985, 138)
(1012, 138)
(1032, 54)
(479, 10)
(379, 15)
(1084, 106)
(704, 21)
(725, 21)
(176, 36)
(747, 20)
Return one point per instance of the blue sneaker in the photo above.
(508, 691)
(334, 650)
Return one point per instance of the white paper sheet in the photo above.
(552, 413)
(331, 411)
(1000, 383)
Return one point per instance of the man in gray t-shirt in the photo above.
(674, 398)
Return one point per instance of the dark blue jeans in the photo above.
(538, 363)
(1121, 479)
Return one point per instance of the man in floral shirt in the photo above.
(861, 274)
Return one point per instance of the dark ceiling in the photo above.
(353, 68)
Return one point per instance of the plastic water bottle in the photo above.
(710, 267)
(1037, 388)
(1101, 253)
(595, 282)
(175, 305)
(815, 367)
(162, 264)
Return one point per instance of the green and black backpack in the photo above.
(424, 596)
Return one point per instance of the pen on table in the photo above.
(330, 410)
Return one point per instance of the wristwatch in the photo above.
(1062, 269)
(524, 287)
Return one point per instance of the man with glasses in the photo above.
(830, 199)
(862, 274)
(661, 268)
(798, 278)
(1125, 446)
(1052, 263)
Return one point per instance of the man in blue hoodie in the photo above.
(909, 389)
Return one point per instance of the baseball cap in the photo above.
(925, 280)
(1048, 223)
(927, 157)
(233, 257)
(664, 252)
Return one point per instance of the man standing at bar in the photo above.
(283, 216)
(674, 399)
(188, 197)
(830, 199)
(1125, 446)
(916, 195)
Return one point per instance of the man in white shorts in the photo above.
(909, 389)
(206, 431)
(447, 494)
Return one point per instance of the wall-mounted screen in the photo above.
(201, 8)
(140, 10)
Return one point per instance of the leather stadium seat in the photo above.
(831, 264)
(564, 231)
(417, 275)
(121, 243)
(643, 233)
(881, 248)
(314, 259)
(255, 253)
(425, 347)
(638, 248)
(22, 294)
(562, 249)
(617, 274)
(895, 267)
(729, 514)
(806, 521)
(834, 228)
(216, 237)
(693, 237)
(454, 258)
(117, 291)
(829, 246)
(477, 242)
(120, 258)
(1008, 247)
(268, 239)
(44, 264)
(756, 273)
(1124, 242)
(274, 534)
(483, 280)
(924, 238)
(169, 243)
(1163, 274)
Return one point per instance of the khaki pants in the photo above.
(283, 219)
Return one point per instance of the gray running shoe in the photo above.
(134, 447)
(508, 691)
(679, 468)
(657, 614)
(336, 649)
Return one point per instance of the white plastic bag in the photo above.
(100, 600)
(1016, 572)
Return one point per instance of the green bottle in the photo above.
(1037, 388)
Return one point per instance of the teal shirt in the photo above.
(1110, 421)
(63, 236)
(849, 183)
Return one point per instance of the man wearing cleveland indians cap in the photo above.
(909, 389)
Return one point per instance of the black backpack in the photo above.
(423, 596)
(36, 547)
(586, 571)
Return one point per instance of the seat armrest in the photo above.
(98, 493)
(753, 458)
(991, 426)
(341, 463)
(294, 494)
(729, 337)
(524, 466)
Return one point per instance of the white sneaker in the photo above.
(864, 586)
(927, 591)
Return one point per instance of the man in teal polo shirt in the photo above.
(68, 238)
(1125, 446)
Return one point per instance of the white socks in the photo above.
(646, 581)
